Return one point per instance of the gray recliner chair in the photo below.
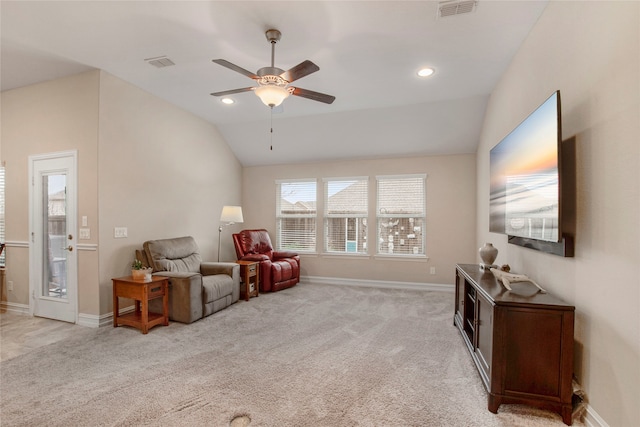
(196, 289)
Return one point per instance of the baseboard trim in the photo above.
(593, 419)
(88, 320)
(378, 283)
(14, 307)
(94, 321)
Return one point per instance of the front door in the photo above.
(53, 264)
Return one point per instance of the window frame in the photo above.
(313, 217)
(360, 218)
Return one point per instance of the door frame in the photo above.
(35, 256)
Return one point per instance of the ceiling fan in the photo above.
(273, 82)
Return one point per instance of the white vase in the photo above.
(488, 254)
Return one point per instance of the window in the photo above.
(296, 215)
(345, 214)
(401, 214)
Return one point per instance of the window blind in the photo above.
(401, 214)
(296, 206)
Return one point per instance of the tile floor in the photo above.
(20, 333)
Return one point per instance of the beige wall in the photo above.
(450, 215)
(52, 116)
(163, 173)
(591, 52)
(143, 164)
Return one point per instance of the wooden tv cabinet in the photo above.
(521, 340)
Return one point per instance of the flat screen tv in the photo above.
(526, 200)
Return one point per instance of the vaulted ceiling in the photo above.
(368, 53)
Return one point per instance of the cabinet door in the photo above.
(533, 350)
(459, 297)
(484, 337)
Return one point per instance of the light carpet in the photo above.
(311, 355)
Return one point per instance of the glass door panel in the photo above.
(54, 226)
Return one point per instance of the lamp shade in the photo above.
(231, 214)
(271, 95)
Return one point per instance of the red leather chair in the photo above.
(278, 269)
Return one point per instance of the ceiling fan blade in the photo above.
(232, 91)
(299, 71)
(235, 68)
(316, 96)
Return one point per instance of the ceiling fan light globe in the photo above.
(271, 95)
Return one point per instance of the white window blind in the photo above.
(296, 206)
(401, 214)
(346, 208)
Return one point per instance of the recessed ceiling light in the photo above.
(227, 101)
(426, 72)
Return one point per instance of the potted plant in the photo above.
(140, 272)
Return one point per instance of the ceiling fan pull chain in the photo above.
(271, 133)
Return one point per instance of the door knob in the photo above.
(70, 248)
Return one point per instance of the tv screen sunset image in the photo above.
(524, 193)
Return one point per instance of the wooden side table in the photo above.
(141, 292)
(250, 276)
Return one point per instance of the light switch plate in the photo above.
(85, 234)
(120, 232)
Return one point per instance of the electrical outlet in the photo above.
(120, 232)
(433, 270)
(10, 285)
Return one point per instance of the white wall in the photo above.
(450, 189)
(591, 52)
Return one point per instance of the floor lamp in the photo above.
(230, 215)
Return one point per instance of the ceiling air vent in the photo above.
(455, 7)
(160, 62)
